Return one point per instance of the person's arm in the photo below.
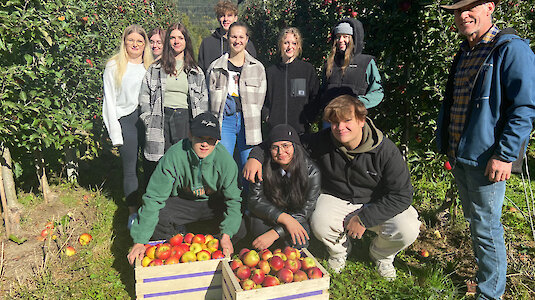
(253, 167)
(375, 93)
(313, 192)
(232, 217)
(203, 104)
(109, 109)
(144, 97)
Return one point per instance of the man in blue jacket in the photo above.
(484, 125)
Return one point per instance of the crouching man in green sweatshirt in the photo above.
(195, 180)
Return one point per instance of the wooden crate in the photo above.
(193, 280)
(308, 289)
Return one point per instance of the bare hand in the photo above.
(252, 169)
(138, 251)
(265, 240)
(226, 245)
(354, 228)
(295, 229)
(498, 170)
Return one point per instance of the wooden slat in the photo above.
(179, 284)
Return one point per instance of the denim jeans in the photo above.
(482, 202)
(233, 135)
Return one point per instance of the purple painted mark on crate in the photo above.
(298, 296)
(190, 275)
(228, 289)
(181, 291)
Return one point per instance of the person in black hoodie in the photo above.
(365, 186)
(215, 45)
(292, 85)
(282, 204)
(347, 70)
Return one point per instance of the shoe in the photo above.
(131, 219)
(337, 264)
(386, 270)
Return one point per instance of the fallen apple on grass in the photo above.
(70, 251)
(84, 239)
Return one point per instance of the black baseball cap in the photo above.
(205, 124)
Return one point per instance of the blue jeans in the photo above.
(482, 202)
(233, 135)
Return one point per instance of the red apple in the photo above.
(285, 275)
(314, 273)
(276, 263)
(199, 239)
(447, 165)
(163, 251)
(247, 284)
(270, 281)
(243, 272)
(156, 262)
(258, 276)
(266, 254)
(300, 275)
(218, 254)
(264, 266)
(292, 264)
(177, 251)
(307, 263)
(45, 232)
(251, 258)
(172, 260)
(281, 255)
(424, 253)
(146, 261)
(236, 263)
(291, 253)
(188, 237)
(84, 239)
(203, 255)
(150, 251)
(188, 257)
(184, 247)
(70, 251)
(243, 252)
(176, 240)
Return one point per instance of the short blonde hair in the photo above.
(338, 109)
(298, 37)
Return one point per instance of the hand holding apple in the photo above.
(226, 245)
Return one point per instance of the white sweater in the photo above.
(120, 101)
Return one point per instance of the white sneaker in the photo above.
(386, 270)
(337, 264)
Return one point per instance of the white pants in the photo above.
(394, 235)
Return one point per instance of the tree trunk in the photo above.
(41, 175)
(5, 209)
(13, 207)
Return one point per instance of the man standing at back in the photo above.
(216, 44)
(484, 125)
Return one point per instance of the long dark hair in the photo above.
(168, 54)
(284, 191)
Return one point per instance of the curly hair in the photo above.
(225, 6)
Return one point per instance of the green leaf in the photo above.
(16, 239)
(28, 58)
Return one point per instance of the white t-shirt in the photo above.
(120, 101)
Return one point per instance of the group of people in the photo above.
(226, 139)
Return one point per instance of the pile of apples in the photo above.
(182, 248)
(255, 270)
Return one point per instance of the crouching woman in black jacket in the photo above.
(282, 203)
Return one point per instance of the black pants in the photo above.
(175, 125)
(260, 226)
(132, 129)
(179, 212)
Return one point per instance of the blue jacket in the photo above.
(502, 107)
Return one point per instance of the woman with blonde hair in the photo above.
(292, 85)
(122, 81)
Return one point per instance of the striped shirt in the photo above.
(469, 63)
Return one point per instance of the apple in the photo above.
(251, 258)
(266, 254)
(45, 232)
(300, 275)
(307, 263)
(184, 247)
(199, 239)
(176, 240)
(213, 244)
(204, 255)
(156, 262)
(243, 272)
(188, 257)
(424, 253)
(278, 250)
(285, 275)
(292, 264)
(264, 266)
(177, 251)
(188, 237)
(291, 253)
(247, 284)
(270, 281)
(314, 273)
(447, 165)
(195, 247)
(150, 252)
(146, 261)
(84, 239)
(70, 251)
(281, 255)
(49, 225)
(163, 251)
(172, 260)
(236, 263)
(258, 276)
(243, 252)
(218, 254)
(276, 263)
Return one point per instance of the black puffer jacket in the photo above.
(264, 209)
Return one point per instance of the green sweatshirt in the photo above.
(181, 173)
